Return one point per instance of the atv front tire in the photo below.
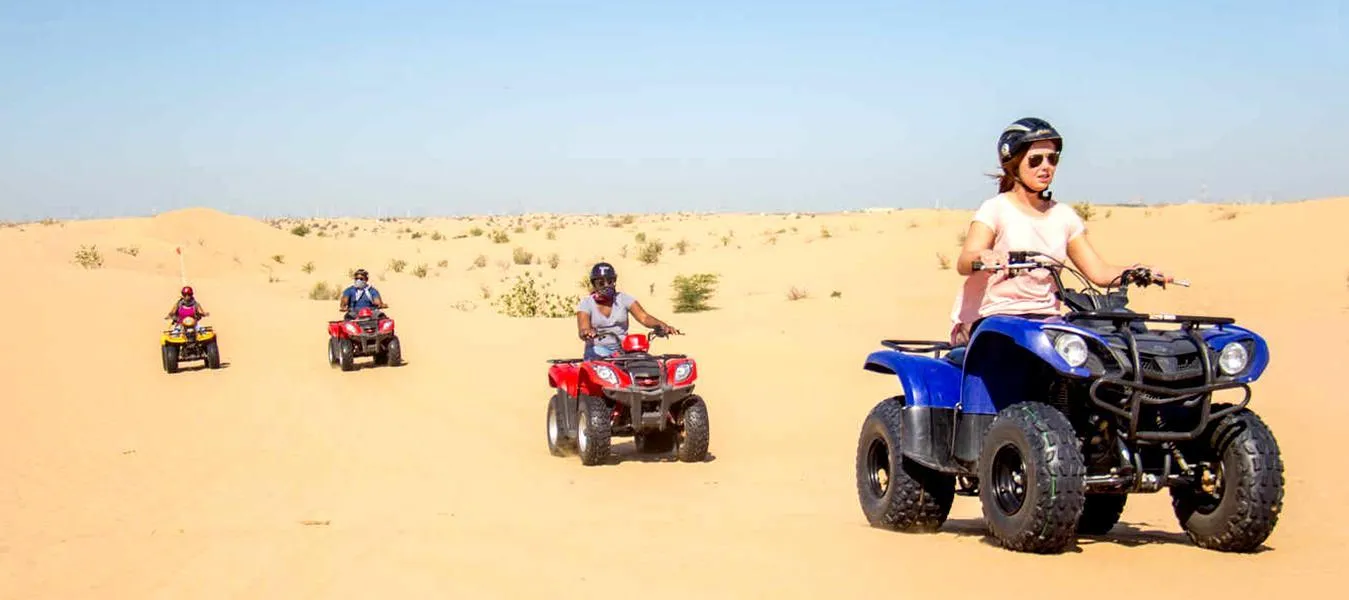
(346, 352)
(212, 355)
(897, 493)
(333, 352)
(696, 434)
(170, 356)
(1032, 479)
(1243, 507)
(593, 430)
(393, 352)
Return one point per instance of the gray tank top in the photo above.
(611, 329)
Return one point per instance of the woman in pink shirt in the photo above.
(1023, 216)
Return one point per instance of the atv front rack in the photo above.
(616, 359)
(1142, 394)
(1121, 317)
(918, 346)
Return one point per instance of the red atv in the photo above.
(649, 397)
(367, 334)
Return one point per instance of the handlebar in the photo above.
(654, 333)
(1030, 259)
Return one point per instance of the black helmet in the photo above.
(1024, 132)
(605, 272)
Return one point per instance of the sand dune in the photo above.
(277, 476)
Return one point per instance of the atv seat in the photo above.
(956, 356)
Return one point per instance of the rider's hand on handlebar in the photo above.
(588, 333)
(670, 330)
(993, 258)
(1144, 275)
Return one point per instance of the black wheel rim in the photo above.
(1009, 480)
(878, 467)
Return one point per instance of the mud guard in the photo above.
(935, 431)
(927, 381)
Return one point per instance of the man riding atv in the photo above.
(186, 306)
(360, 294)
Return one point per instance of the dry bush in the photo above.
(693, 291)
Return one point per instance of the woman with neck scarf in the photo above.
(602, 317)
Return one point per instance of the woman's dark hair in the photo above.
(1007, 179)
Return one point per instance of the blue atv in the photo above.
(1054, 421)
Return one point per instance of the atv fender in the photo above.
(1008, 357)
(927, 381)
(1256, 347)
(564, 376)
(936, 432)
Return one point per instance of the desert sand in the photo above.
(280, 477)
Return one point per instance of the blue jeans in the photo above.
(598, 352)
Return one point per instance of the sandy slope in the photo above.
(433, 479)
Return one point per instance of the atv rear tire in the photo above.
(656, 442)
(1032, 479)
(170, 356)
(1100, 513)
(593, 430)
(559, 443)
(1244, 508)
(212, 355)
(696, 434)
(393, 352)
(897, 493)
(346, 352)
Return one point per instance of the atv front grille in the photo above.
(645, 373)
(1171, 368)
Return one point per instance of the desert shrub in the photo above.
(420, 271)
(300, 230)
(89, 257)
(500, 237)
(1084, 210)
(520, 256)
(693, 291)
(323, 291)
(649, 253)
(530, 298)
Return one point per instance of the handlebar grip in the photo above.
(977, 265)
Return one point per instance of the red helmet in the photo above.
(636, 342)
(187, 290)
(365, 313)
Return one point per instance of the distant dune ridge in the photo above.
(278, 476)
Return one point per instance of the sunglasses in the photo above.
(1034, 160)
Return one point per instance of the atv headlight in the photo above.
(682, 371)
(1233, 358)
(1072, 348)
(606, 374)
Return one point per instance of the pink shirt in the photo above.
(1016, 228)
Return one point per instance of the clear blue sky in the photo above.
(117, 107)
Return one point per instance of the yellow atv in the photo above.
(189, 343)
